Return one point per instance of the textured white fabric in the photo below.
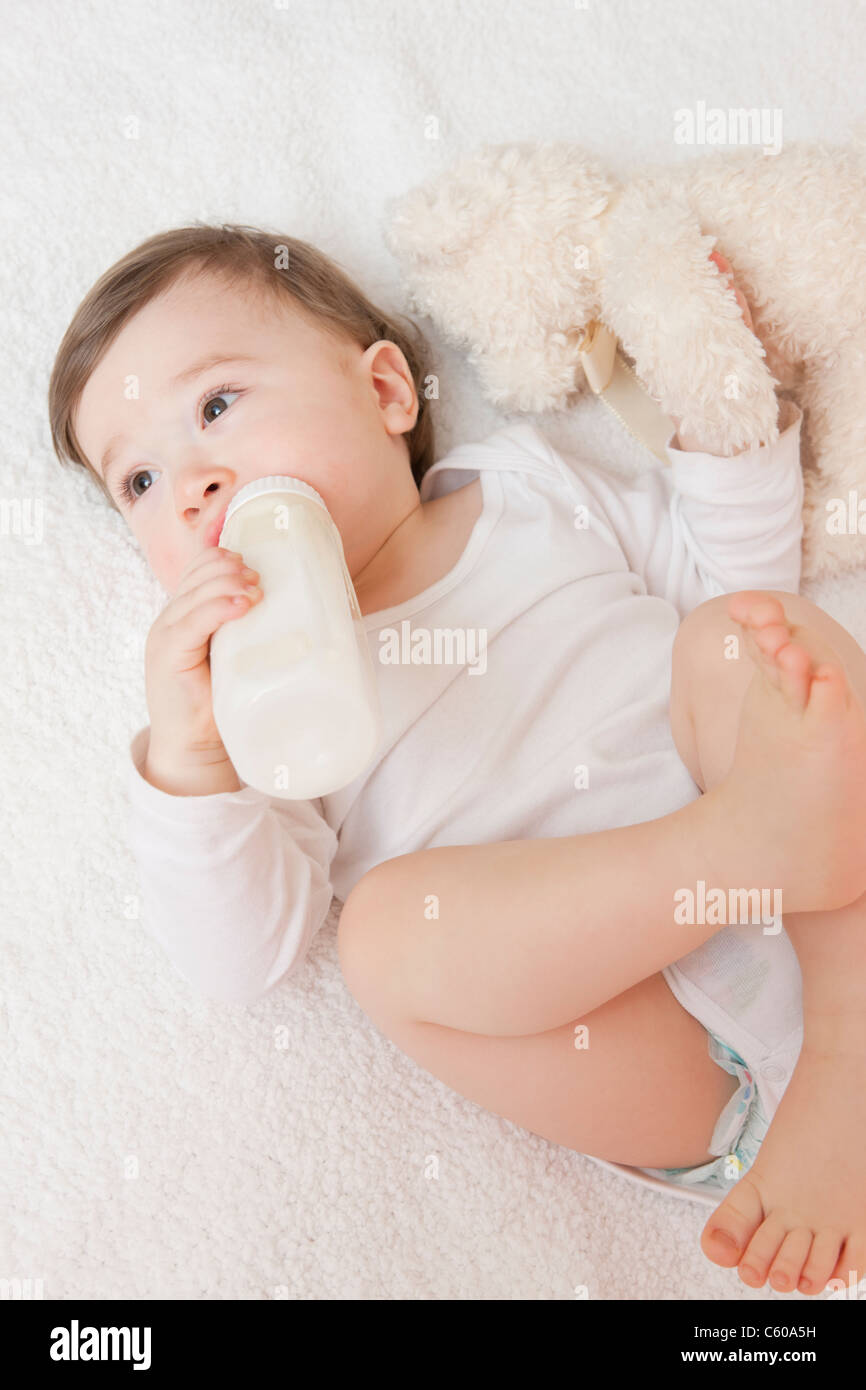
(578, 582)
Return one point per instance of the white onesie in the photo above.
(525, 694)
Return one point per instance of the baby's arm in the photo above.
(710, 525)
(706, 525)
(233, 887)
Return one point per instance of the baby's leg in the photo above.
(798, 1216)
(523, 936)
(632, 1081)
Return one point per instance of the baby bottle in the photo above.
(293, 684)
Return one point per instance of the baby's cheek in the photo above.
(166, 563)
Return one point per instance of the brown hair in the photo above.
(279, 265)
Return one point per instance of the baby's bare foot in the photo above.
(800, 760)
(789, 656)
(798, 1216)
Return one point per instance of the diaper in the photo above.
(744, 987)
(737, 1136)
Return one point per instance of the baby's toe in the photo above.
(829, 692)
(761, 1251)
(755, 609)
(821, 1262)
(795, 674)
(850, 1267)
(787, 1267)
(732, 1225)
(772, 638)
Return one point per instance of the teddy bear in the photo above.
(519, 249)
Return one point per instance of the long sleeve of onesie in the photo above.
(234, 886)
(706, 525)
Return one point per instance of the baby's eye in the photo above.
(221, 394)
(127, 487)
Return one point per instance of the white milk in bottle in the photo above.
(293, 683)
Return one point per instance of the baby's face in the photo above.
(308, 405)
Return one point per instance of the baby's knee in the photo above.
(699, 644)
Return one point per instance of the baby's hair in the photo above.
(243, 256)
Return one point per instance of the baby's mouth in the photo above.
(212, 534)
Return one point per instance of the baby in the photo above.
(544, 869)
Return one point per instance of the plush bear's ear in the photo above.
(449, 213)
(527, 186)
(438, 219)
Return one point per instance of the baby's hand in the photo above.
(690, 442)
(725, 268)
(213, 590)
